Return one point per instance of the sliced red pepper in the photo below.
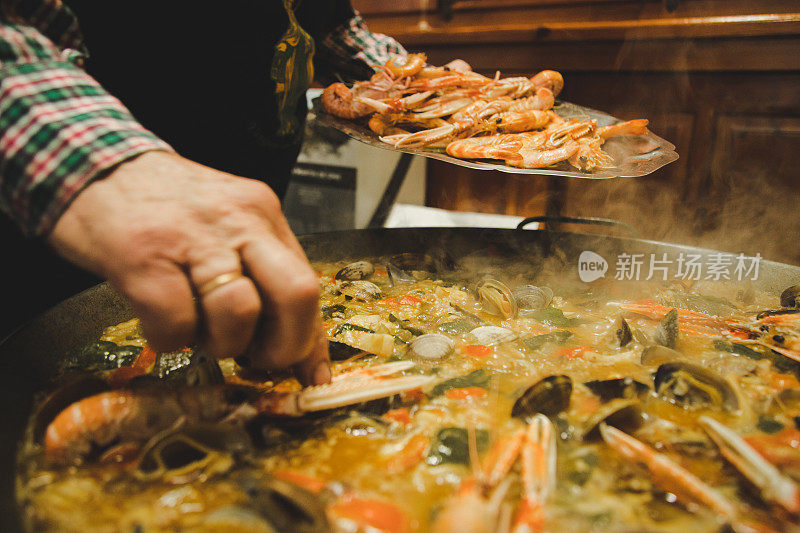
(412, 454)
(309, 483)
(784, 381)
(121, 376)
(412, 396)
(466, 393)
(573, 353)
(410, 300)
(146, 358)
(478, 350)
(400, 415)
(378, 514)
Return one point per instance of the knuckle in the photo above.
(303, 290)
(246, 309)
(260, 195)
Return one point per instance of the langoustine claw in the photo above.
(538, 474)
(667, 474)
(137, 414)
(773, 484)
(470, 511)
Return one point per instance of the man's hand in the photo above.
(159, 227)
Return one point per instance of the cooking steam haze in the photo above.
(729, 202)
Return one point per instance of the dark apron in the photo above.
(199, 75)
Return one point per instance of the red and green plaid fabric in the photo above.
(59, 129)
(351, 51)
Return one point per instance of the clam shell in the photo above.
(356, 271)
(430, 347)
(531, 297)
(496, 298)
(491, 335)
(361, 290)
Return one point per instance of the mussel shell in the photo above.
(609, 389)
(658, 355)
(621, 333)
(667, 331)
(530, 297)
(286, 506)
(430, 347)
(340, 351)
(491, 335)
(623, 413)
(704, 385)
(361, 290)
(791, 297)
(411, 262)
(356, 271)
(410, 267)
(102, 355)
(496, 298)
(549, 396)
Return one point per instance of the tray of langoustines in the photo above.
(511, 124)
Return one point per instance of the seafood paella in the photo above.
(472, 116)
(465, 397)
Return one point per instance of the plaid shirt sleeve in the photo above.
(351, 51)
(59, 129)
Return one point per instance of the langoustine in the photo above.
(137, 414)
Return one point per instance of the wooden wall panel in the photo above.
(467, 189)
(754, 147)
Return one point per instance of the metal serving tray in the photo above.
(633, 156)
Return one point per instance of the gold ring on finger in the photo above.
(219, 281)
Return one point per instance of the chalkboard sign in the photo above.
(321, 198)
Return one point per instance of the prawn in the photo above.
(137, 414)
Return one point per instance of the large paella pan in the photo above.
(525, 379)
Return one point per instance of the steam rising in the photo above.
(747, 215)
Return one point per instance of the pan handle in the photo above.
(548, 219)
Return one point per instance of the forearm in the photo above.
(59, 129)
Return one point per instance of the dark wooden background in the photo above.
(719, 79)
